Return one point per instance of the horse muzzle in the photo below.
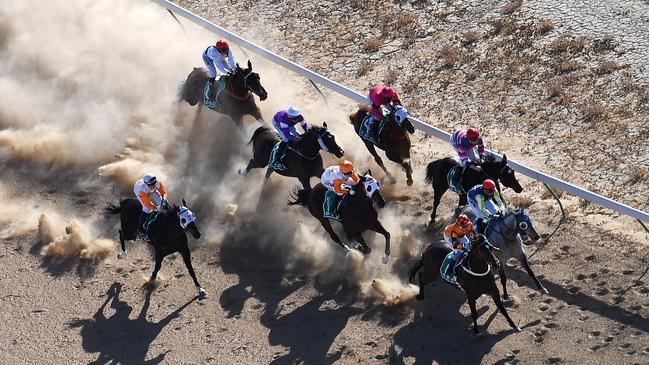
(339, 153)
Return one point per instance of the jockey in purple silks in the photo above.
(468, 145)
(285, 122)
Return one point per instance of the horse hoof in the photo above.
(518, 329)
(242, 172)
(409, 182)
(121, 254)
(384, 259)
(544, 290)
(202, 294)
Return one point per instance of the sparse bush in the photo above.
(471, 37)
(545, 27)
(521, 201)
(513, 6)
(566, 65)
(565, 44)
(450, 55)
(372, 45)
(555, 91)
(411, 85)
(363, 68)
(406, 19)
(638, 174)
(604, 45)
(545, 194)
(592, 111)
(391, 77)
(607, 67)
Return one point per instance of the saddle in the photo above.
(370, 129)
(331, 205)
(220, 86)
(454, 177)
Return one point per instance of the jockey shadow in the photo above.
(437, 334)
(311, 344)
(119, 339)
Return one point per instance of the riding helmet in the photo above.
(222, 45)
(293, 112)
(346, 166)
(473, 134)
(488, 185)
(149, 179)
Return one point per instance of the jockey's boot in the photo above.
(281, 150)
(450, 272)
(211, 93)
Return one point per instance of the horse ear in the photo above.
(369, 172)
(237, 64)
(504, 159)
(324, 125)
(184, 202)
(249, 65)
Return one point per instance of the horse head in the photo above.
(372, 188)
(250, 79)
(484, 249)
(401, 118)
(325, 139)
(500, 170)
(524, 225)
(187, 220)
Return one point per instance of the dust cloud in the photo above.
(93, 86)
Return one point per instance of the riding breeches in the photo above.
(211, 69)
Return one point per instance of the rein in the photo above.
(471, 272)
(245, 83)
(301, 154)
(507, 236)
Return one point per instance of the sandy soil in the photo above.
(81, 124)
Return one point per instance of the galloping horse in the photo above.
(437, 172)
(474, 274)
(235, 100)
(357, 212)
(393, 138)
(505, 233)
(167, 233)
(302, 158)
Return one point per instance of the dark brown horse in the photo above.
(498, 171)
(302, 158)
(357, 212)
(167, 233)
(474, 274)
(393, 139)
(235, 100)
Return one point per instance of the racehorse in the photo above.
(302, 158)
(474, 274)
(505, 233)
(437, 172)
(167, 233)
(235, 100)
(357, 211)
(393, 138)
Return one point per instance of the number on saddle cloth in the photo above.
(276, 157)
(370, 129)
(219, 86)
(331, 205)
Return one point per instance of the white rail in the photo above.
(360, 98)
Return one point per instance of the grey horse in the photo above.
(507, 233)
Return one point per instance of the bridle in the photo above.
(245, 83)
(323, 147)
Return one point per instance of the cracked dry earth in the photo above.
(557, 87)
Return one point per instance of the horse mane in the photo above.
(313, 129)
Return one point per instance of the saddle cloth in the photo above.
(146, 225)
(220, 85)
(275, 159)
(370, 129)
(453, 178)
(331, 205)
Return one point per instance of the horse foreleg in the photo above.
(306, 182)
(474, 314)
(436, 200)
(377, 227)
(248, 168)
(158, 264)
(327, 226)
(408, 168)
(370, 147)
(496, 298)
(269, 171)
(523, 260)
(420, 296)
(188, 263)
(503, 280)
(366, 248)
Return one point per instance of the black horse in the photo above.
(474, 275)
(437, 172)
(357, 211)
(393, 139)
(302, 158)
(167, 233)
(235, 100)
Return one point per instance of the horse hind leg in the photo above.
(158, 264)
(474, 315)
(407, 167)
(327, 226)
(378, 228)
(365, 247)
(188, 263)
(436, 200)
(420, 276)
(496, 298)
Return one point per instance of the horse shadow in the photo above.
(120, 339)
(439, 334)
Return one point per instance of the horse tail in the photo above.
(413, 271)
(430, 171)
(300, 197)
(257, 133)
(111, 208)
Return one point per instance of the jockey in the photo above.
(151, 193)
(285, 122)
(486, 203)
(382, 95)
(468, 145)
(341, 178)
(457, 236)
(218, 55)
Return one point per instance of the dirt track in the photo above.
(280, 291)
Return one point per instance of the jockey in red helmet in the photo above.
(486, 202)
(218, 57)
(381, 95)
